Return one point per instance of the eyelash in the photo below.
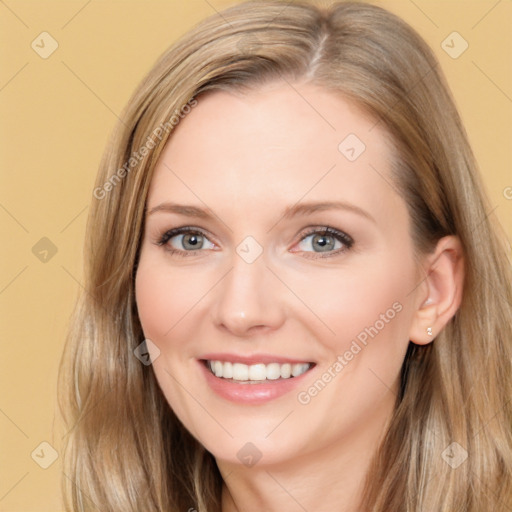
(342, 237)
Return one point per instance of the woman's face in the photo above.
(291, 255)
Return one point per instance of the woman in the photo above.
(295, 297)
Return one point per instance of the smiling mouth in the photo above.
(256, 373)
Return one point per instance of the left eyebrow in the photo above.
(308, 208)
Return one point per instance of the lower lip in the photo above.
(247, 393)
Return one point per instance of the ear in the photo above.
(441, 292)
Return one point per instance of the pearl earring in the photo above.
(429, 331)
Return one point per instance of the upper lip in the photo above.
(252, 359)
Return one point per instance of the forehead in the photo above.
(274, 146)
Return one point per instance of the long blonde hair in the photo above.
(126, 450)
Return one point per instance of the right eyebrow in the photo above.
(181, 209)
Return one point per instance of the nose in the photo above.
(249, 300)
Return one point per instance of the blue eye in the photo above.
(185, 240)
(326, 240)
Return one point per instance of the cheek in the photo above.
(165, 302)
(369, 310)
(165, 297)
(360, 302)
(155, 305)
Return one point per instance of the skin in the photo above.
(245, 159)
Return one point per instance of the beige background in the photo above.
(56, 115)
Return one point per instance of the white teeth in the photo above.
(286, 370)
(227, 370)
(217, 368)
(299, 369)
(257, 372)
(273, 371)
(240, 371)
